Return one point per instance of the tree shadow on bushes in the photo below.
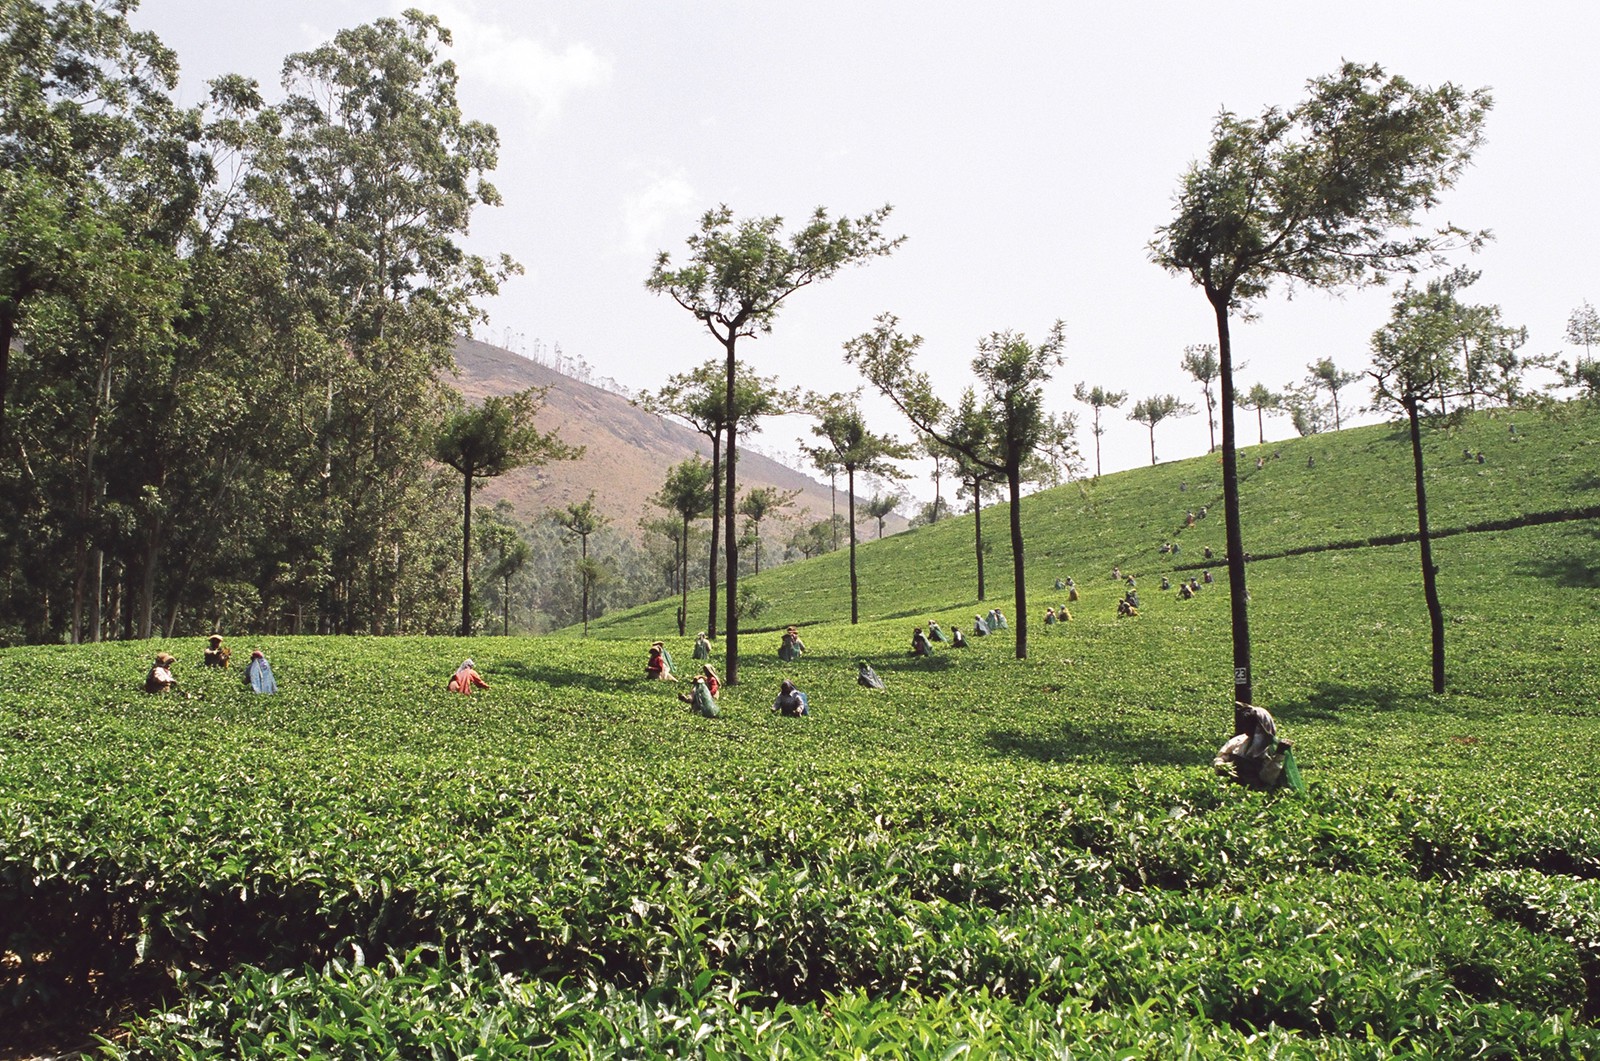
(1339, 702)
(1574, 571)
(568, 678)
(1104, 743)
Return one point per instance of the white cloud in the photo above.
(646, 214)
(487, 51)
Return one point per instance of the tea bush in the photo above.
(988, 858)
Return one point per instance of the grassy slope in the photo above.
(1361, 487)
(1018, 856)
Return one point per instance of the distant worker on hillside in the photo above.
(999, 622)
(979, 627)
(160, 679)
(708, 674)
(1126, 609)
(919, 643)
(1060, 585)
(1049, 617)
(258, 674)
(957, 638)
(656, 667)
(791, 702)
(216, 654)
(1184, 592)
(702, 647)
(935, 632)
(1072, 594)
(465, 679)
(662, 645)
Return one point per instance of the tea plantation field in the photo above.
(989, 858)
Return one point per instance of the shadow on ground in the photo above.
(1340, 701)
(1101, 743)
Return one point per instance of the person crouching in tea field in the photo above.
(957, 638)
(258, 674)
(919, 643)
(1254, 754)
(701, 700)
(465, 679)
(791, 702)
(935, 633)
(217, 654)
(790, 647)
(656, 668)
(708, 674)
(702, 647)
(662, 645)
(160, 679)
(866, 677)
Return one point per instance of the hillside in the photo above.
(627, 450)
(1335, 488)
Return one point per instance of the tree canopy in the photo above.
(1324, 194)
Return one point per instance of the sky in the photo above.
(1030, 151)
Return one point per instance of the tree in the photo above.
(688, 491)
(1011, 372)
(1324, 195)
(1583, 328)
(1259, 398)
(1412, 367)
(1200, 361)
(848, 443)
(580, 521)
(1151, 411)
(699, 398)
(1325, 374)
(487, 442)
(736, 278)
(760, 503)
(931, 512)
(1308, 415)
(498, 537)
(381, 174)
(880, 506)
(1098, 398)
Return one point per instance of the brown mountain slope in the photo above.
(628, 450)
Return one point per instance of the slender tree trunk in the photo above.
(833, 496)
(1430, 573)
(583, 574)
(977, 531)
(850, 482)
(466, 557)
(505, 606)
(1238, 596)
(1261, 427)
(97, 567)
(683, 580)
(729, 412)
(1019, 579)
(1152, 445)
(935, 518)
(147, 583)
(1211, 420)
(8, 330)
(1097, 433)
(716, 527)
